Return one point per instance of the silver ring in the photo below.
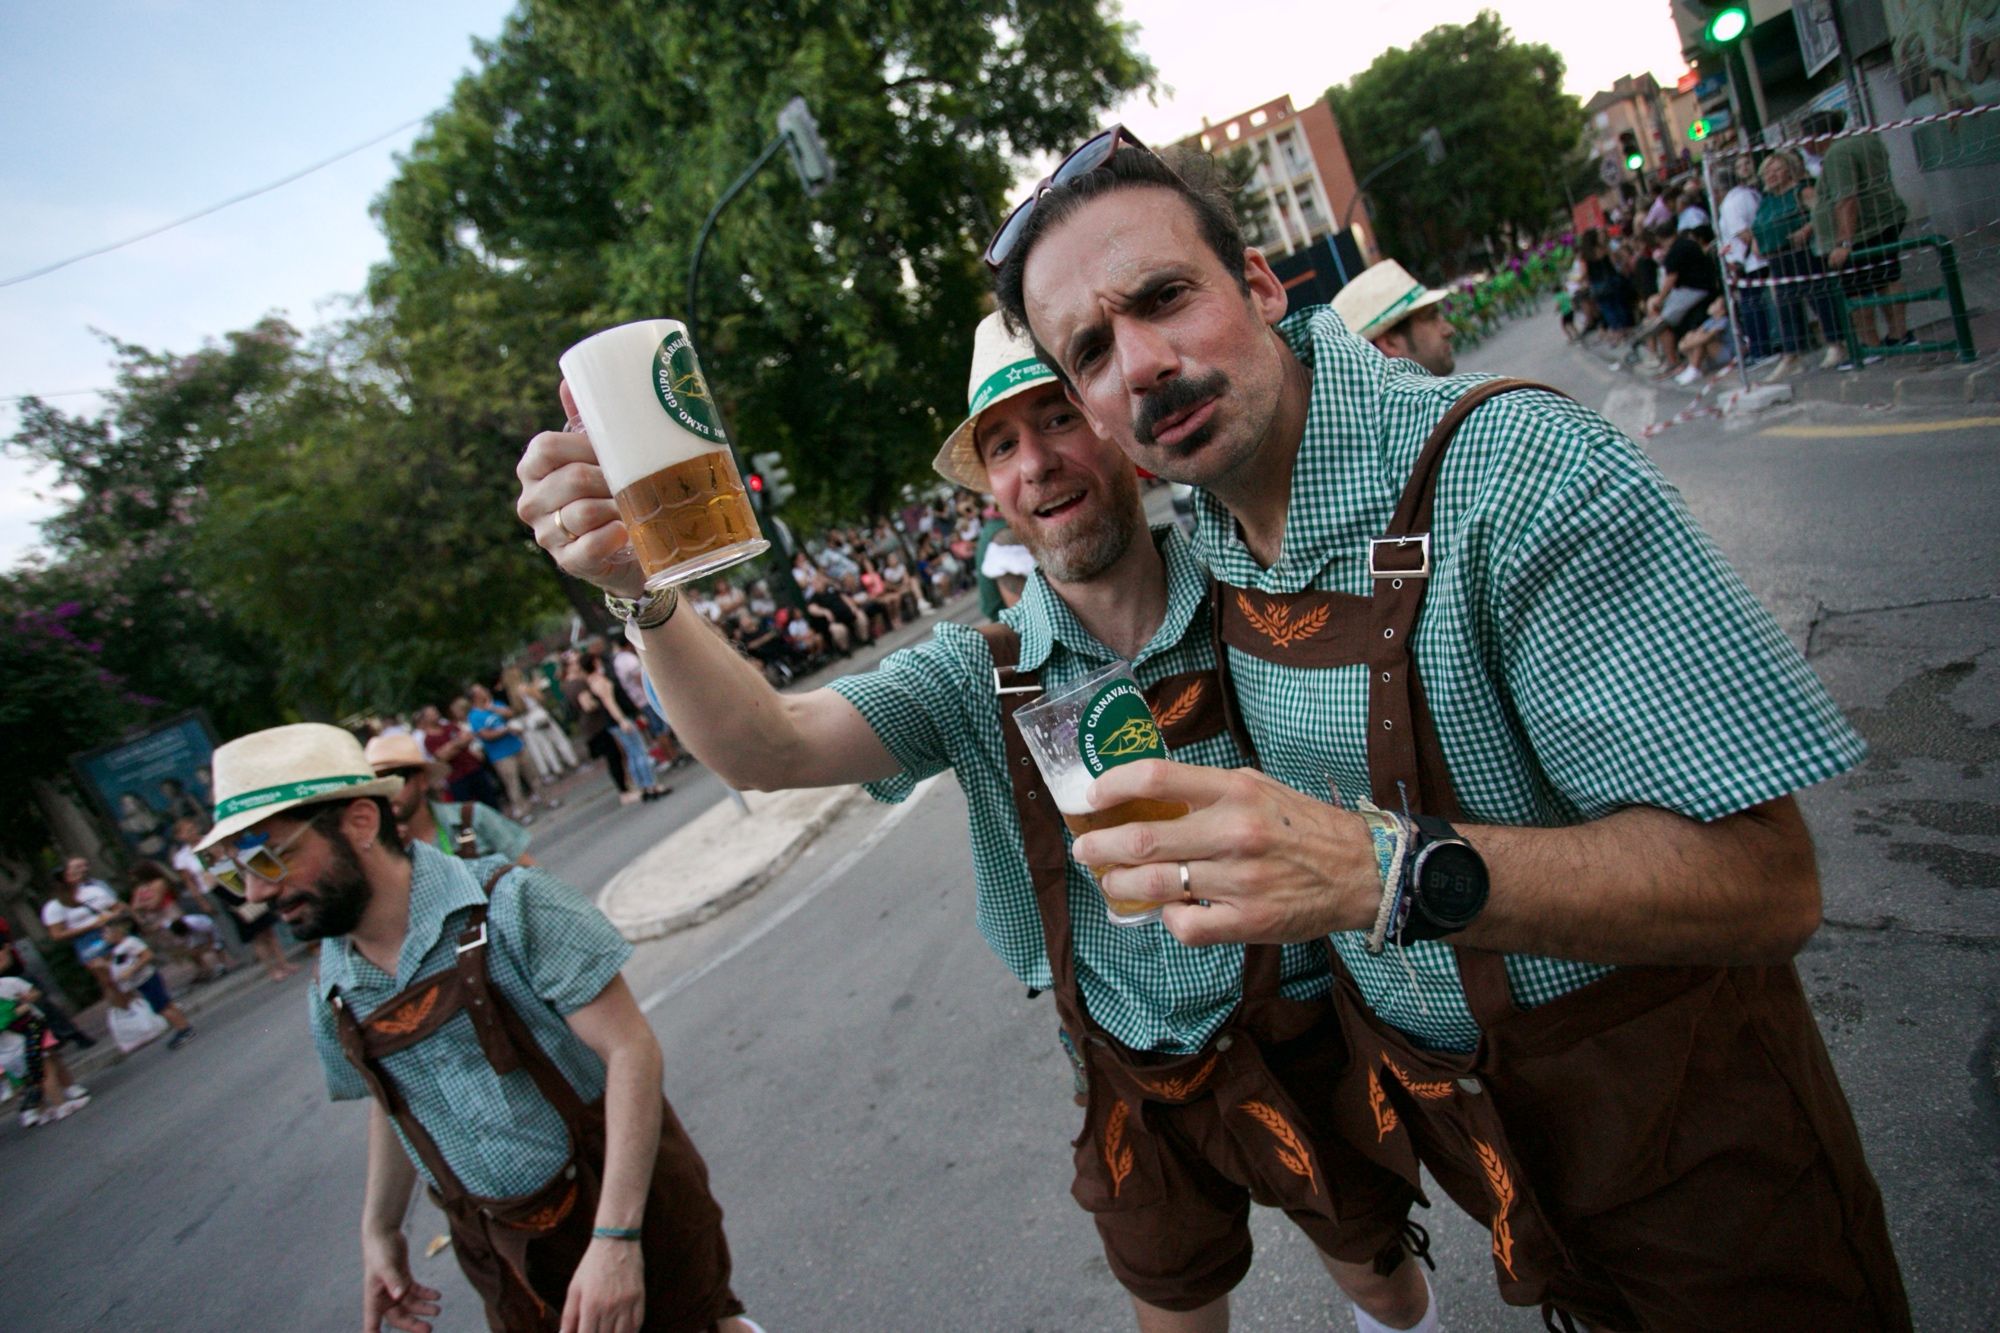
(1187, 894)
(559, 521)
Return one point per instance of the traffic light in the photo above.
(1699, 129)
(774, 476)
(755, 483)
(801, 135)
(1726, 25)
(1628, 145)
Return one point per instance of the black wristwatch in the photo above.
(1447, 882)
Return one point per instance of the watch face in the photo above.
(1451, 884)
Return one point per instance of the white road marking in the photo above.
(825, 881)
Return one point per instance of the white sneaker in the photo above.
(66, 1110)
(33, 1116)
(75, 1091)
(1689, 375)
(1835, 354)
(1786, 365)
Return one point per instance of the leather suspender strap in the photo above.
(503, 1037)
(1406, 766)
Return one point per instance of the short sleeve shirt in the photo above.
(486, 719)
(934, 707)
(1857, 168)
(1583, 645)
(92, 901)
(493, 834)
(549, 953)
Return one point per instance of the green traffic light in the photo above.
(1635, 161)
(1727, 26)
(1698, 130)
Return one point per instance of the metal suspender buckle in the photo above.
(999, 688)
(479, 943)
(1422, 569)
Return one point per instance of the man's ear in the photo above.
(362, 823)
(1267, 291)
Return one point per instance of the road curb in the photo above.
(652, 897)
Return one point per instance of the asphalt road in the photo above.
(886, 1114)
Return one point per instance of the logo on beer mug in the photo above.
(678, 381)
(1117, 728)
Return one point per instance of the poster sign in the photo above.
(1819, 34)
(144, 783)
(1948, 59)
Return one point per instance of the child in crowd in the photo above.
(27, 1053)
(159, 911)
(133, 969)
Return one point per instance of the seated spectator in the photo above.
(761, 603)
(729, 599)
(757, 636)
(159, 912)
(897, 583)
(873, 612)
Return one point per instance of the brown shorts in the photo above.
(1176, 1227)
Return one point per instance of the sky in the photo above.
(121, 115)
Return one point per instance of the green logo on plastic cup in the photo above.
(1117, 728)
(682, 390)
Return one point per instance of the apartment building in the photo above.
(1303, 182)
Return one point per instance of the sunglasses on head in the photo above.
(1094, 153)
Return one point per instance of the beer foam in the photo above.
(611, 374)
(1071, 791)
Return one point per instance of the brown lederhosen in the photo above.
(1174, 1148)
(519, 1253)
(1665, 1148)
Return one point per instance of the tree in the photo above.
(563, 188)
(121, 548)
(1507, 128)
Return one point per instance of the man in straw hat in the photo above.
(469, 829)
(1400, 315)
(1170, 1044)
(1565, 909)
(575, 1197)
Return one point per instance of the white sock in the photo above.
(1368, 1323)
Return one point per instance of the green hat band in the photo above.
(1410, 297)
(286, 793)
(1005, 378)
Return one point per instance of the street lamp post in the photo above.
(1430, 143)
(800, 136)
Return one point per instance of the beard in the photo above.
(1084, 550)
(337, 899)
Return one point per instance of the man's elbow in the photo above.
(1791, 906)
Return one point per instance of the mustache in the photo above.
(1175, 396)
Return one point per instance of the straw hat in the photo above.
(1002, 365)
(400, 749)
(259, 775)
(1382, 297)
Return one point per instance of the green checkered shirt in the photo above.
(549, 952)
(1584, 647)
(934, 707)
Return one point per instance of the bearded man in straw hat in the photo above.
(469, 829)
(574, 1195)
(1401, 316)
(1170, 1044)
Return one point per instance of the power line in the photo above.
(59, 393)
(212, 208)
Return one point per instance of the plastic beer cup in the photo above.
(1095, 724)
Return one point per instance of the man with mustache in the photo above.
(1178, 1051)
(1566, 909)
(574, 1195)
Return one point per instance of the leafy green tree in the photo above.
(120, 550)
(564, 186)
(1507, 127)
(381, 561)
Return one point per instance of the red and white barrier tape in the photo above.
(1903, 124)
(1692, 412)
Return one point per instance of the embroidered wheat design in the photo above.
(545, 1218)
(1502, 1186)
(1277, 625)
(1433, 1092)
(1182, 705)
(1378, 1102)
(1291, 1151)
(1117, 1153)
(408, 1018)
(1180, 1089)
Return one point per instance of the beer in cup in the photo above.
(1098, 723)
(642, 397)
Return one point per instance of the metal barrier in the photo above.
(1950, 291)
